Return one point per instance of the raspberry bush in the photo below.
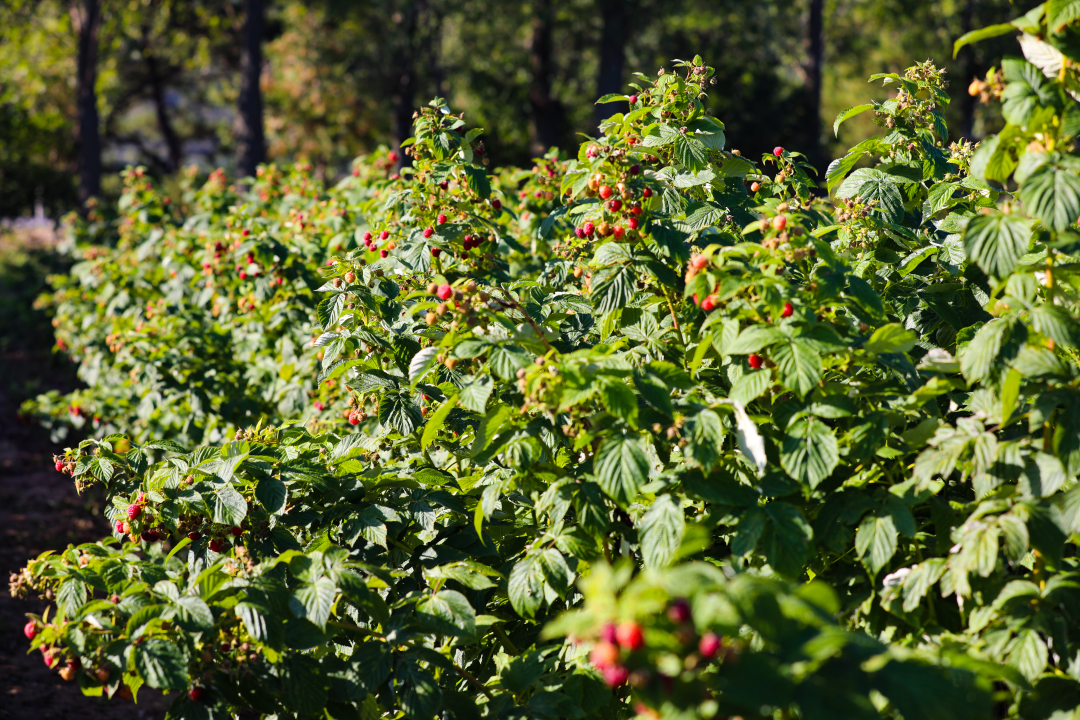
(657, 431)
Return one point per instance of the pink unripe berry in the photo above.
(633, 99)
(615, 675)
(709, 645)
(607, 633)
(779, 222)
(30, 630)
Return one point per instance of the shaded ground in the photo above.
(39, 508)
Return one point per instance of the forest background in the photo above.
(88, 87)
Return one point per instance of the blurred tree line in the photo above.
(89, 86)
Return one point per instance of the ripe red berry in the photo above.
(635, 169)
(709, 645)
(383, 253)
(134, 510)
(708, 303)
(237, 532)
(30, 630)
(615, 675)
(356, 172)
(633, 223)
(429, 231)
(604, 654)
(619, 232)
(496, 203)
(435, 252)
(679, 611)
(580, 233)
(699, 261)
(633, 99)
(50, 659)
(196, 694)
(243, 275)
(635, 211)
(605, 192)
(445, 292)
(788, 310)
(778, 151)
(280, 280)
(440, 219)
(59, 466)
(392, 156)
(384, 234)
(194, 535)
(614, 205)
(756, 361)
(588, 228)
(779, 222)
(366, 237)
(354, 420)
(216, 545)
(629, 636)
(647, 192)
(607, 633)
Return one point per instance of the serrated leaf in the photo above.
(621, 467)
(996, 242)
(448, 612)
(798, 365)
(875, 542)
(526, 586)
(848, 114)
(422, 362)
(661, 530)
(161, 664)
(810, 452)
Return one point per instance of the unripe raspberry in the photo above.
(755, 186)
(629, 636)
(779, 222)
(445, 292)
(432, 288)
(429, 231)
(30, 630)
(709, 645)
(392, 156)
(756, 361)
(778, 151)
(440, 219)
(50, 659)
(350, 277)
(592, 151)
(604, 655)
(608, 633)
(699, 261)
(134, 511)
(788, 310)
(633, 99)
(605, 192)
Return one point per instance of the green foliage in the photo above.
(688, 442)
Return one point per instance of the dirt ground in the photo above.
(39, 510)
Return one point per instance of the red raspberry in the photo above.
(646, 193)
(393, 156)
(615, 675)
(614, 205)
(114, 599)
(708, 303)
(588, 228)
(445, 292)
(633, 99)
(788, 310)
(30, 630)
(629, 636)
(354, 420)
(383, 253)
(679, 611)
(194, 535)
(243, 275)
(607, 633)
(619, 232)
(236, 531)
(778, 151)
(134, 511)
(440, 219)
(216, 545)
(59, 466)
(384, 234)
(429, 231)
(496, 203)
(579, 233)
(699, 261)
(633, 223)
(756, 361)
(709, 645)
(366, 237)
(604, 654)
(436, 252)
(779, 222)
(605, 192)
(196, 694)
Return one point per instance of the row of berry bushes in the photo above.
(657, 431)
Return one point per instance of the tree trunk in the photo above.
(546, 111)
(86, 16)
(969, 66)
(405, 87)
(157, 89)
(815, 46)
(613, 37)
(250, 141)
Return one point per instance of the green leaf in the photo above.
(474, 396)
(799, 366)
(436, 421)
(448, 612)
(891, 338)
(272, 494)
(193, 614)
(1060, 13)
(398, 411)
(613, 287)
(1052, 194)
(705, 436)
(810, 452)
(875, 542)
(753, 339)
(621, 467)
(691, 152)
(996, 242)
(661, 530)
(227, 506)
(848, 114)
(785, 539)
(877, 187)
(161, 664)
(526, 586)
(1028, 653)
(478, 181)
(979, 355)
(422, 362)
(982, 34)
(556, 572)
(316, 599)
(620, 401)
(1010, 393)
